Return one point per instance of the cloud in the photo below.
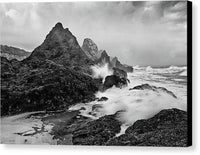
(144, 33)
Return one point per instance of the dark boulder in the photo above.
(153, 88)
(97, 132)
(167, 128)
(114, 80)
(119, 72)
(102, 99)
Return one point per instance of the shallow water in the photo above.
(21, 129)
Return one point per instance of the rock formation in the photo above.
(167, 128)
(117, 64)
(91, 49)
(97, 132)
(120, 73)
(61, 47)
(101, 56)
(153, 88)
(114, 80)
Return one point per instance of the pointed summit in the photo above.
(60, 46)
(114, 61)
(91, 49)
(59, 26)
(105, 58)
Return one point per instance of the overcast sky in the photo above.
(138, 33)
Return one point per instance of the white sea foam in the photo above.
(149, 68)
(101, 71)
(169, 70)
(139, 104)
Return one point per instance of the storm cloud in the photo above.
(138, 33)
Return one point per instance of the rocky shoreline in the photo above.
(167, 128)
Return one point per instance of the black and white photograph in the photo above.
(112, 73)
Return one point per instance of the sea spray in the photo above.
(137, 104)
(101, 71)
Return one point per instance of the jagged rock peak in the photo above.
(58, 36)
(115, 58)
(91, 49)
(89, 41)
(104, 53)
(61, 46)
(58, 26)
(104, 58)
(89, 45)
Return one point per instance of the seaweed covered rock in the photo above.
(167, 128)
(97, 132)
(48, 87)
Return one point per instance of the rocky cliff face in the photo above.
(13, 53)
(104, 58)
(61, 47)
(91, 49)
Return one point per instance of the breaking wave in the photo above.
(101, 71)
(184, 73)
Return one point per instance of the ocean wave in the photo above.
(177, 67)
(184, 73)
(149, 68)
